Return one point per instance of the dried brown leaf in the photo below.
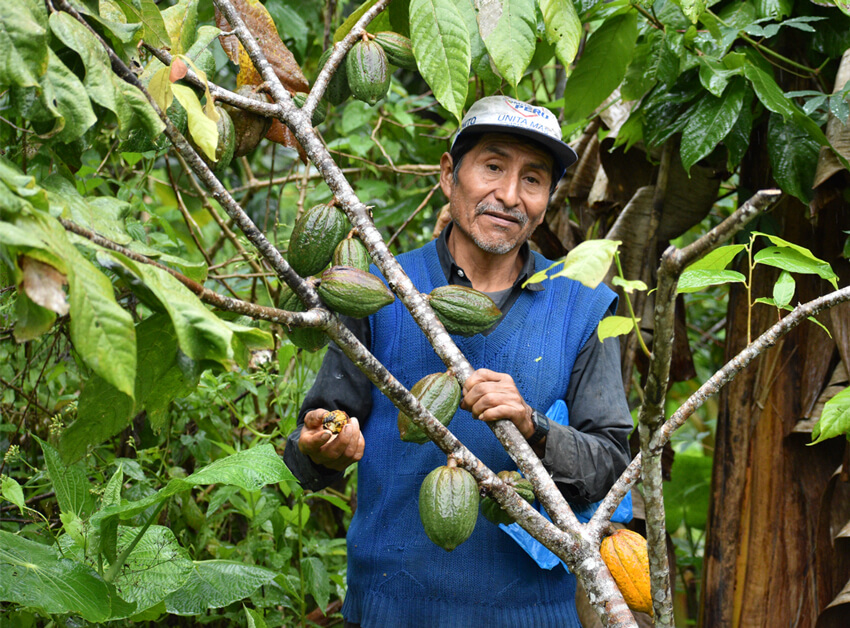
(279, 133)
(263, 28)
(43, 285)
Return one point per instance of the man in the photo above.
(498, 176)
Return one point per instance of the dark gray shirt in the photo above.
(584, 458)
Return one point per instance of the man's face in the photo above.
(501, 191)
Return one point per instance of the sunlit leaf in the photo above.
(146, 13)
(834, 419)
(589, 262)
(204, 131)
(563, 28)
(611, 326)
(718, 259)
(695, 280)
(794, 261)
(508, 28)
(629, 285)
(783, 289)
(23, 43)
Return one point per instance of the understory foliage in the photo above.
(146, 395)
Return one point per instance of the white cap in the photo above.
(501, 114)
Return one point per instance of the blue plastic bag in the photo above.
(542, 555)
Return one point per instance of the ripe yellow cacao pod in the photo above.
(625, 554)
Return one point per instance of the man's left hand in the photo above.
(490, 395)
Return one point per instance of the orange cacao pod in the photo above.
(625, 554)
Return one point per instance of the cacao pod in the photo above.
(463, 310)
(314, 238)
(337, 90)
(249, 128)
(318, 113)
(225, 146)
(448, 506)
(307, 338)
(352, 252)
(491, 509)
(440, 393)
(398, 49)
(367, 70)
(335, 420)
(353, 292)
(626, 557)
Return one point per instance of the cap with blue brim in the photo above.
(501, 114)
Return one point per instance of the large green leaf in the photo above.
(834, 419)
(318, 582)
(146, 13)
(36, 575)
(687, 494)
(70, 482)
(793, 157)
(718, 259)
(710, 122)
(181, 22)
(478, 51)
(102, 332)
(126, 101)
(157, 566)
(64, 95)
(23, 43)
(217, 583)
(31, 319)
(563, 28)
(795, 262)
(715, 75)
(441, 46)
(509, 30)
(695, 280)
(601, 67)
(692, 8)
(102, 214)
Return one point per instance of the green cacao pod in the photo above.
(225, 146)
(314, 238)
(440, 393)
(463, 310)
(491, 509)
(248, 128)
(337, 91)
(352, 252)
(307, 338)
(318, 113)
(367, 70)
(398, 49)
(448, 506)
(139, 141)
(353, 292)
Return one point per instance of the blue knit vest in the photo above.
(396, 576)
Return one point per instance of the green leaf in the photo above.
(695, 280)
(318, 583)
(216, 583)
(718, 259)
(834, 419)
(204, 130)
(710, 122)
(793, 157)
(563, 28)
(351, 20)
(12, 491)
(783, 289)
(103, 214)
(146, 13)
(102, 412)
(715, 75)
(611, 326)
(31, 319)
(442, 50)
(478, 51)
(589, 262)
(692, 8)
(126, 101)
(628, 285)
(254, 618)
(201, 334)
(64, 95)
(508, 28)
(36, 575)
(70, 482)
(601, 67)
(112, 490)
(181, 23)
(23, 43)
(157, 566)
(794, 261)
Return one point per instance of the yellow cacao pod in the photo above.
(625, 554)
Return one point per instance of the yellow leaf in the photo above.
(160, 88)
(204, 131)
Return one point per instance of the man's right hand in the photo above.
(335, 451)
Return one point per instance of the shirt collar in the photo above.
(455, 275)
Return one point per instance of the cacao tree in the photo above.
(710, 135)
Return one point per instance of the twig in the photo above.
(416, 211)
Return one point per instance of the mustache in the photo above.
(517, 215)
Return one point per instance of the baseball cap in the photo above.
(502, 114)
